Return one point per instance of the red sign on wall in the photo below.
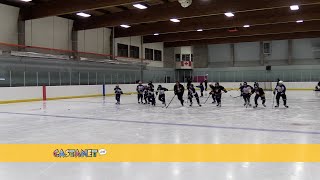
(186, 63)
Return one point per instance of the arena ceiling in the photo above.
(204, 22)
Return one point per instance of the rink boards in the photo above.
(38, 93)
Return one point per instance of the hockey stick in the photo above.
(207, 99)
(171, 101)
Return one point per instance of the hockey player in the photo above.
(193, 92)
(162, 96)
(246, 93)
(179, 91)
(259, 94)
(318, 87)
(145, 94)
(201, 88)
(218, 93)
(150, 85)
(140, 89)
(212, 93)
(151, 97)
(281, 92)
(118, 92)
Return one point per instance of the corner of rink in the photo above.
(39, 93)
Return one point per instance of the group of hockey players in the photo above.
(147, 93)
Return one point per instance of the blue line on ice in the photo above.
(169, 124)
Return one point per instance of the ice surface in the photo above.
(161, 171)
(99, 120)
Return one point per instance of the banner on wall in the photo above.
(186, 65)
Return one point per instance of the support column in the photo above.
(233, 61)
(21, 33)
(112, 44)
(141, 58)
(261, 54)
(74, 44)
(290, 51)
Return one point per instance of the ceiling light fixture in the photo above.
(200, 30)
(125, 26)
(299, 21)
(83, 14)
(229, 14)
(246, 26)
(175, 20)
(26, 0)
(156, 34)
(140, 6)
(294, 7)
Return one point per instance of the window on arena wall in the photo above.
(123, 50)
(157, 55)
(185, 57)
(178, 57)
(134, 52)
(148, 54)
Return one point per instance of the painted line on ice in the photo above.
(170, 124)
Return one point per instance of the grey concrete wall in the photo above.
(168, 58)
(200, 56)
(303, 52)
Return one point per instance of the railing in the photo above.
(43, 52)
(31, 78)
(295, 75)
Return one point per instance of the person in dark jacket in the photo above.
(118, 92)
(212, 93)
(217, 91)
(193, 93)
(280, 91)
(318, 87)
(206, 84)
(140, 89)
(162, 96)
(259, 94)
(201, 88)
(179, 91)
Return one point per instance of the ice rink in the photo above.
(99, 120)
